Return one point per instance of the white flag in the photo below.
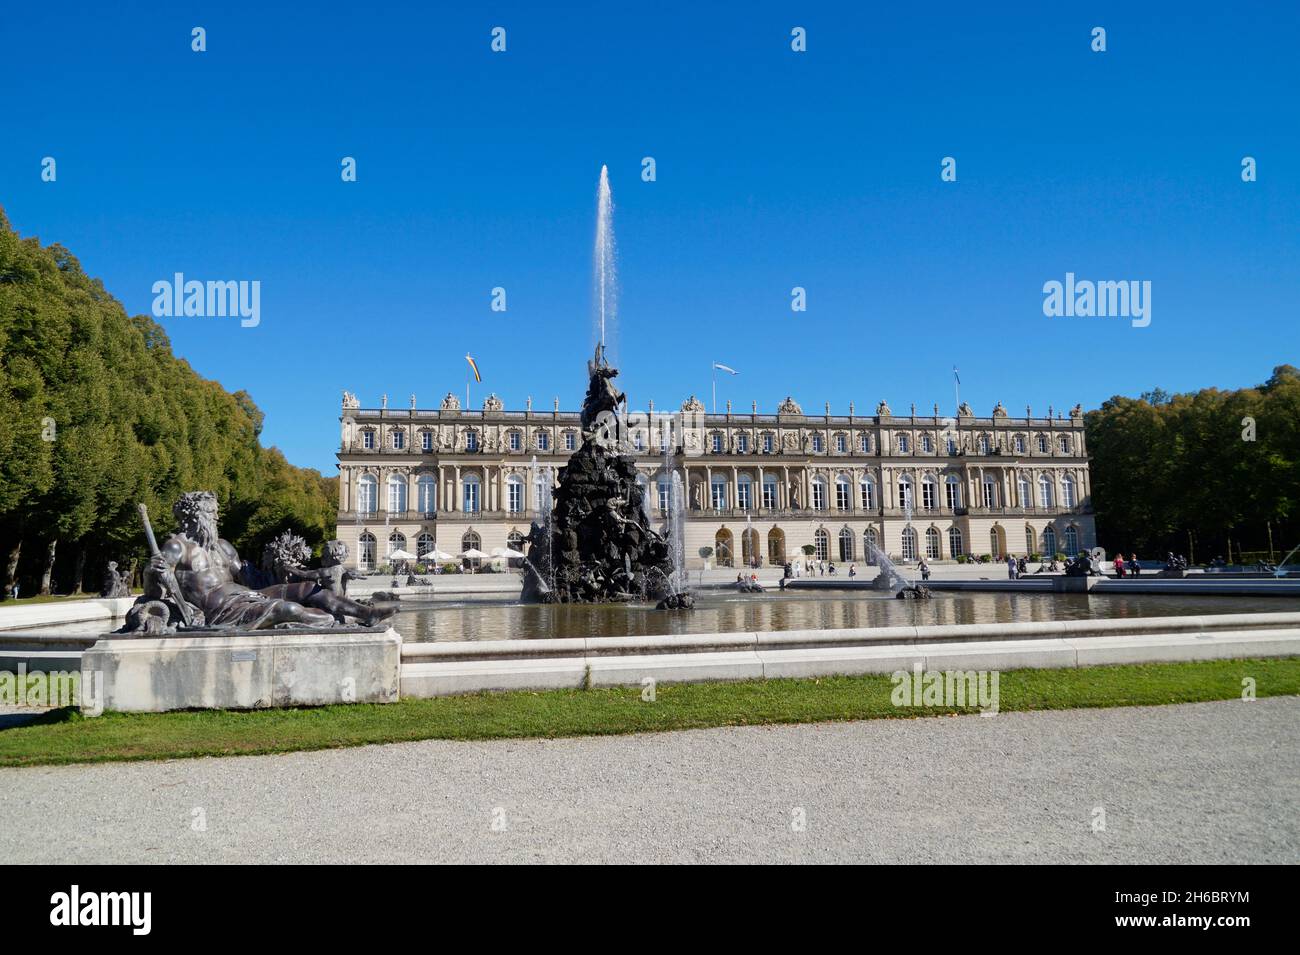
(721, 367)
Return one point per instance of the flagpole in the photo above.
(956, 386)
(715, 386)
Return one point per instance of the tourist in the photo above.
(1011, 567)
(853, 570)
(1134, 565)
(925, 570)
(1022, 567)
(1119, 565)
(786, 571)
(832, 570)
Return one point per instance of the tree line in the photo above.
(97, 414)
(1201, 472)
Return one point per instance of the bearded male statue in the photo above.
(207, 571)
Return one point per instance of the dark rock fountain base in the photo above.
(598, 545)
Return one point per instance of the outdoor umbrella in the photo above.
(400, 554)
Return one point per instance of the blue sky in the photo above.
(775, 169)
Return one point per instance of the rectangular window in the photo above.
(817, 443)
(399, 440)
(471, 497)
(743, 495)
(927, 496)
(952, 493)
(719, 495)
(864, 443)
(717, 444)
(471, 440)
(990, 494)
(514, 441)
(367, 440)
(769, 495)
(742, 443)
(543, 441)
(840, 443)
(664, 495)
(570, 441)
(868, 494)
(426, 440)
(515, 499)
(842, 496)
(767, 444)
(818, 496)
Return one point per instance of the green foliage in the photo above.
(129, 422)
(1164, 465)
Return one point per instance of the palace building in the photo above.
(758, 488)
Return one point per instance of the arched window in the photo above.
(867, 493)
(470, 487)
(906, 498)
(1031, 540)
(367, 494)
(776, 547)
(929, 493)
(955, 547)
(471, 541)
(819, 493)
(932, 543)
(952, 491)
(396, 494)
(821, 544)
(1022, 487)
(1049, 542)
(909, 543)
(846, 544)
(990, 492)
(515, 541)
(843, 493)
(396, 541)
(745, 492)
(718, 491)
(426, 487)
(366, 551)
(1067, 491)
(515, 494)
(1045, 491)
(869, 545)
(997, 542)
(1071, 541)
(424, 545)
(749, 552)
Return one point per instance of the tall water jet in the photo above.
(604, 269)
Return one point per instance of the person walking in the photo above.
(925, 570)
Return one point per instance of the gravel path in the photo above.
(1207, 782)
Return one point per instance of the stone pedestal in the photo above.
(244, 671)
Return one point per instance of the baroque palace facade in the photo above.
(758, 488)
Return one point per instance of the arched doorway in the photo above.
(776, 547)
(749, 550)
(722, 548)
(998, 541)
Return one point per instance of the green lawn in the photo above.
(64, 736)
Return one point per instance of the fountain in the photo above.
(893, 579)
(596, 544)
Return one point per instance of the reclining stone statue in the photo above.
(194, 581)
